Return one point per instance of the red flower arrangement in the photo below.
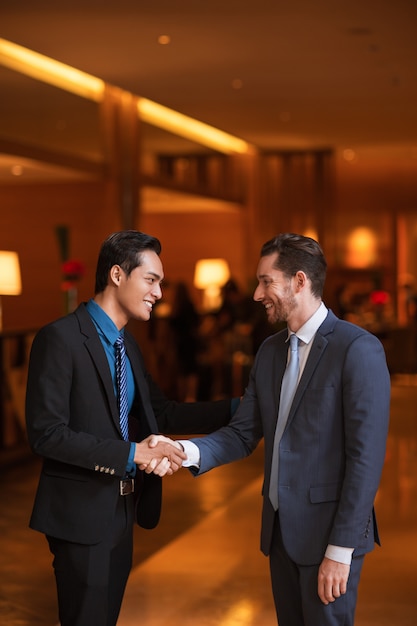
(379, 297)
(72, 271)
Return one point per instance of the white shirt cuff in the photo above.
(339, 554)
(193, 453)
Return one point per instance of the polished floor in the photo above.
(202, 565)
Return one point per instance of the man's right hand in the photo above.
(159, 455)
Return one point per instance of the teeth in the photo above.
(148, 304)
(268, 306)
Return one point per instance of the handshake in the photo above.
(159, 455)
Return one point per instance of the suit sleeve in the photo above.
(366, 404)
(236, 440)
(187, 418)
(67, 416)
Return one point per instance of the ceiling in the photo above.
(304, 73)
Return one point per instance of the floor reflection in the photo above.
(202, 565)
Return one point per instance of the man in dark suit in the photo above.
(328, 451)
(90, 482)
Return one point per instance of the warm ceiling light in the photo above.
(349, 154)
(17, 170)
(164, 40)
(50, 71)
(65, 77)
(192, 129)
(237, 83)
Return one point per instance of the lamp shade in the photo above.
(10, 281)
(211, 273)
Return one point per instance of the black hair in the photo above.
(123, 248)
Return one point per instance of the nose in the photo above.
(258, 293)
(157, 291)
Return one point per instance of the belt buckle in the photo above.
(127, 486)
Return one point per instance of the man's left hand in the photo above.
(332, 580)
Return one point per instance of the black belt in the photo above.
(127, 486)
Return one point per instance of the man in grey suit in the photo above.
(318, 518)
(89, 484)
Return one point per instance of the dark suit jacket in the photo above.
(72, 422)
(333, 447)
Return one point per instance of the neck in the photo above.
(302, 315)
(113, 311)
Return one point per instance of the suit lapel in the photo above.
(317, 350)
(280, 356)
(142, 386)
(93, 344)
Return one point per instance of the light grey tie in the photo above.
(288, 387)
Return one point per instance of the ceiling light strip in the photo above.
(65, 77)
(190, 128)
(50, 71)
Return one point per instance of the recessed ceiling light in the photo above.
(164, 40)
(237, 83)
(349, 154)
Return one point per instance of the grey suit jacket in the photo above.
(72, 422)
(333, 447)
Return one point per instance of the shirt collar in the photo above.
(103, 322)
(311, 326)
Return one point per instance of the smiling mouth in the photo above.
(149, 304)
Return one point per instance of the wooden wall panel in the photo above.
(28, 217)
(188, 237)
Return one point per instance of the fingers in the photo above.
(153, 441)
(169, 448)
(159, 455)
(161, 468)
(332, 580)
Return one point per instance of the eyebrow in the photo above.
(155, 275)
(264, 276)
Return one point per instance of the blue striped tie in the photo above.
(288, 387)
(121, 384)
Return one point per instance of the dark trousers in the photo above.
(91, 579)
(295, 591)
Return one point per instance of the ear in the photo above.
(300, 280)
(115, 275)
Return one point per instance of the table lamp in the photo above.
(10, 281)
(210, 275)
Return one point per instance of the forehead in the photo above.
(151, 264)
(266, 266)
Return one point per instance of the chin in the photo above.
(143, 315)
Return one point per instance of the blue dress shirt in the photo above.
(108, 333)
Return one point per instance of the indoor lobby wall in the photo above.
(369, 193)
(187, 237)
(28, 218)
(373, 193)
